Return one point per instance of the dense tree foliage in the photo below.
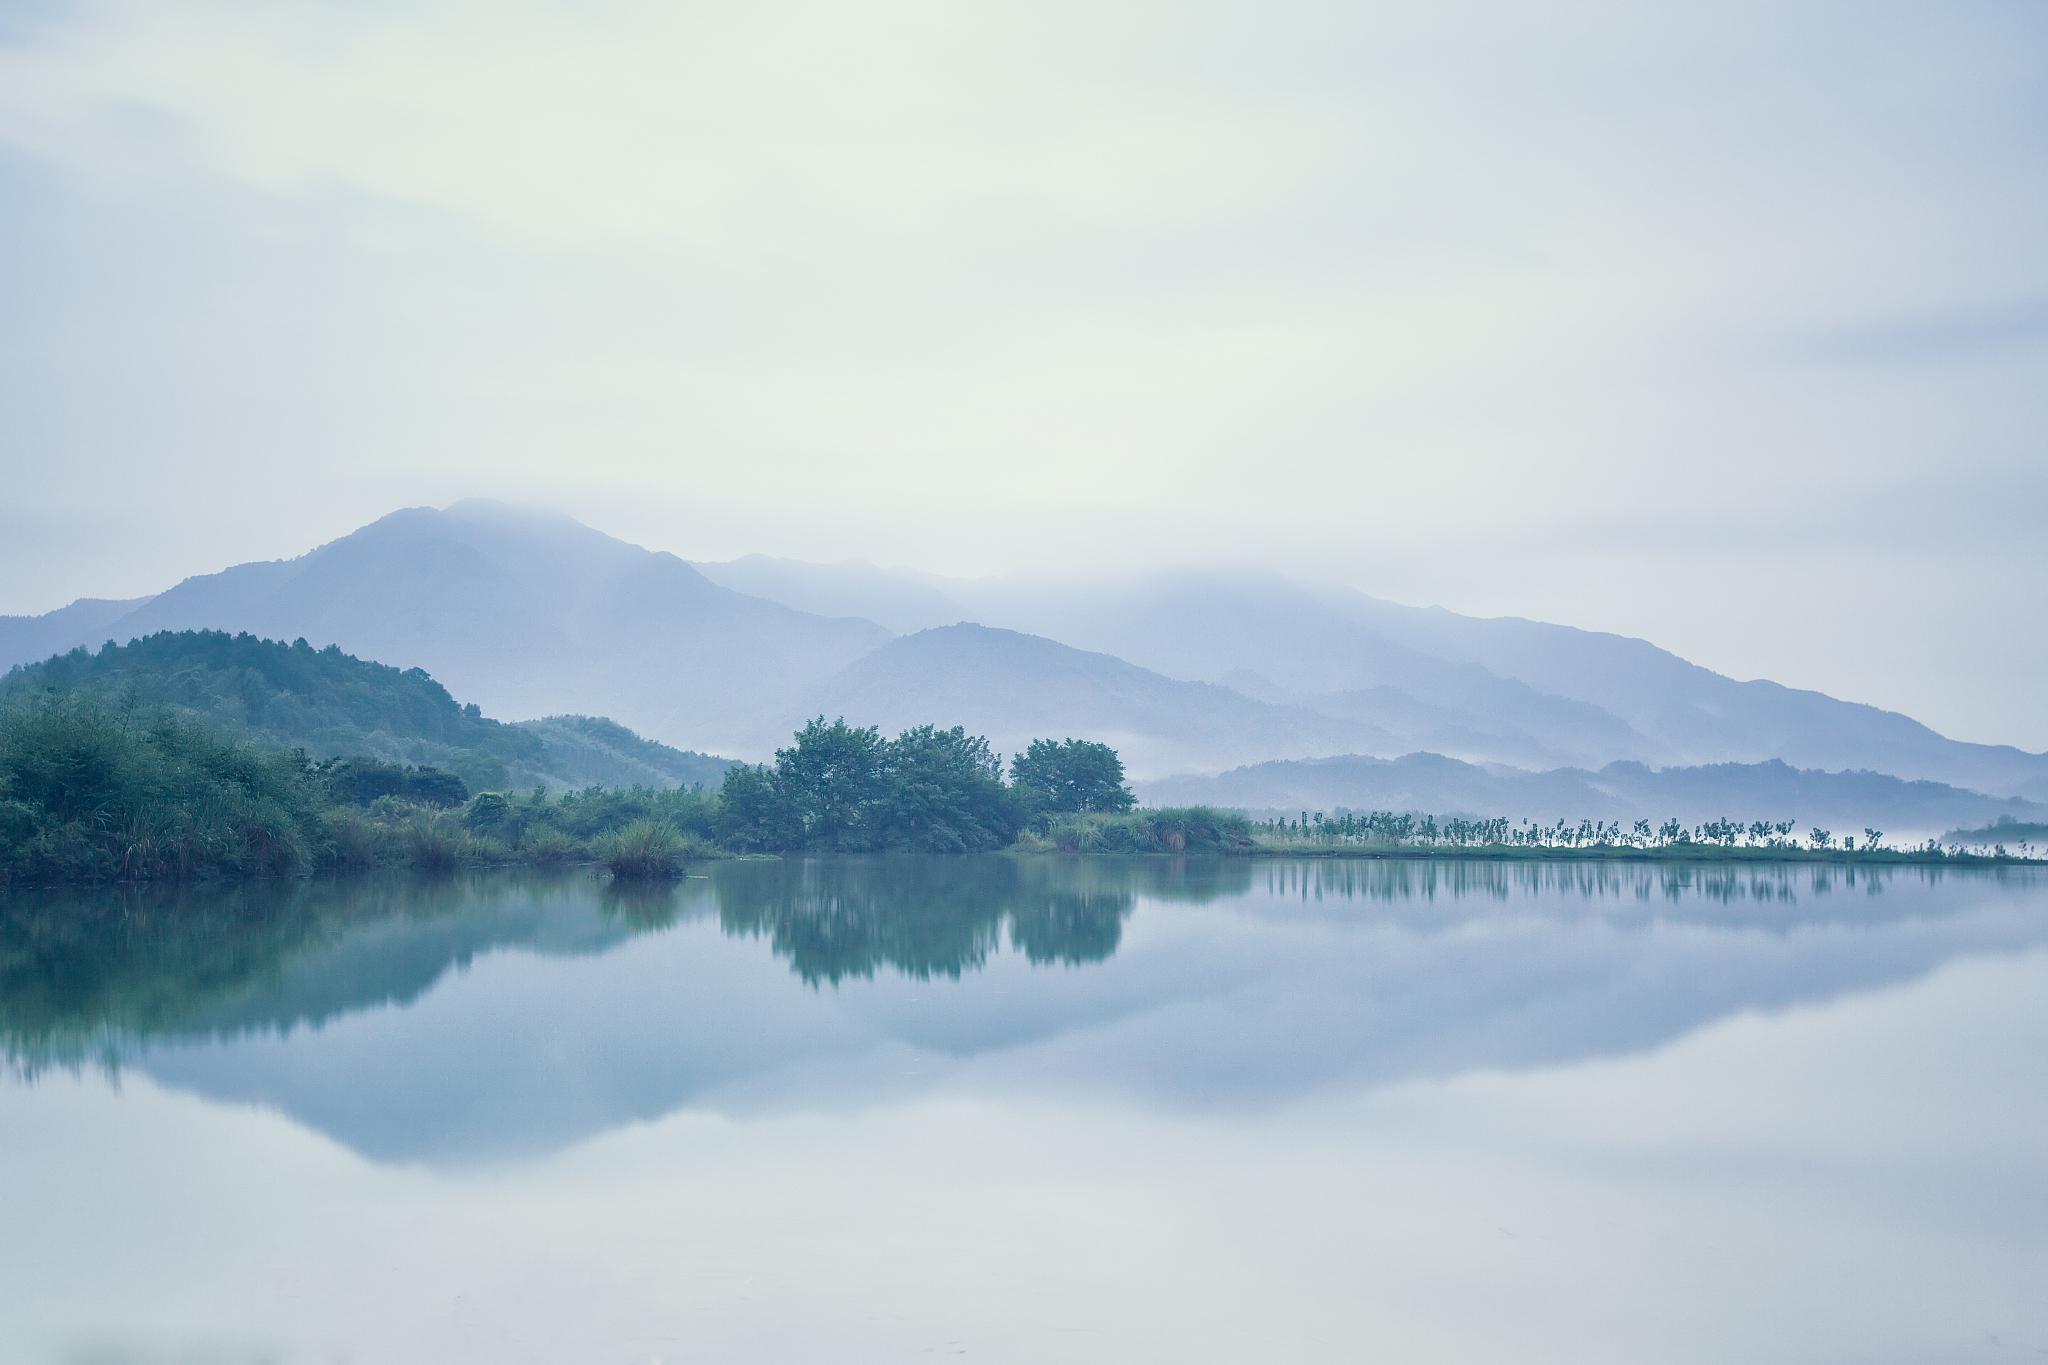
(1070, 777)
(88, 792)
(364, 781)
(943, 792)
(844, 789)
(91, 791)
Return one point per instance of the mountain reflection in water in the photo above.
(489, 1016)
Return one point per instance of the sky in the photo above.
(1723, 324)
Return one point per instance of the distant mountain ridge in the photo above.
(1700, 716)
(1481, 689)
(532, 613)
(1014, 688)
(88, 621)
(526, 613)
(1431, 783)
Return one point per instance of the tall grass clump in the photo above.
(546, 846)
(353, 841)
(438, 841)
(646, 849)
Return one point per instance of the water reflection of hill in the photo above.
(452, 1019)
(84, 973)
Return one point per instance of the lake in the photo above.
(1032, 1109)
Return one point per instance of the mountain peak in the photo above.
(507, 513)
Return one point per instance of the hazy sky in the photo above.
(1722, 323)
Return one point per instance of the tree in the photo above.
(359, 781)
(845, 789)
(828, 782)
(941, 791)
(488, 812)
(1057, 777)
(751, 813)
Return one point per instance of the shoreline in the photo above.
(1675, 854)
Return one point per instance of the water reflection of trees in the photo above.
(1410, 881)
(848, 918)
(88, 975)
(85, 973)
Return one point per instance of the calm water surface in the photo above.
(1032, 1110)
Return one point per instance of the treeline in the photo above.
(92, 791)
(1399, 828)
(841, 788)
(1409, 831)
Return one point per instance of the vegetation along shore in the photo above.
(94, 791)
(198, 755)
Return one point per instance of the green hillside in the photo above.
(334, 705)
(589, 751)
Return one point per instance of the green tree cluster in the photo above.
(92, 791)
(1070, 777)
(840, 788)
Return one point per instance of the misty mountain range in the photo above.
(530, 613)
(1839, 801)
(1407, 679)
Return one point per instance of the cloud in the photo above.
(1433, 297)
(721, 129)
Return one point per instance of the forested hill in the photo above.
(592, 750)
(333, 704)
